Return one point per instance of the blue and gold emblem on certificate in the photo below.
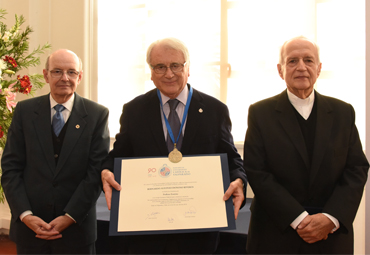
(165, 171)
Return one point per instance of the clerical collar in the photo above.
(303, 106)
(182, 97)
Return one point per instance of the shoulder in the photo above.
(88, 104)
(270, 102)
(31, 105)
(335, 102)
(207, 100)
(34, 100)
(335, 106)
(143, 100)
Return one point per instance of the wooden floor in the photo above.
(6, 245)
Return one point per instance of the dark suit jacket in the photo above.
(206, 132)
(283, 180)
(31, 179)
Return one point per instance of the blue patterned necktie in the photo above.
(58, 120)
(175, 124)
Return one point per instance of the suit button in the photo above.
(56, 155)
(55, 184)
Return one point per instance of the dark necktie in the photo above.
(58, 120)
(174, 121)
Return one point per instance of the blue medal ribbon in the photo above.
(183, 118)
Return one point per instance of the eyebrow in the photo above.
(305, 57)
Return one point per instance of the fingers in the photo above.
(109, 182)
(38, 225)
(317, 229)
(305, 222)
(108, 179)
(47, 237)
(236, 190)
(61, 223)
(108, 196)
(228, 193)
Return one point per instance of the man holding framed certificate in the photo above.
(173, 121)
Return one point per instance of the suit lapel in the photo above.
(324, 125)
(291, 126)
(193, 121)
(76, 126)
(154, 121)
(42, 125)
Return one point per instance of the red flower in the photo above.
(25, 84)
(1, 133)
(11, 61)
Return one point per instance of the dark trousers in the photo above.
(55, 247)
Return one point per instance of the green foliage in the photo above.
(15, 56)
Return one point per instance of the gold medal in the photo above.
(175, 156)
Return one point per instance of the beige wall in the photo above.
(64, 24)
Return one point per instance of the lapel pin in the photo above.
(77, 126)
(200, 110)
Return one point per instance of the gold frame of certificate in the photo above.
(161, 197)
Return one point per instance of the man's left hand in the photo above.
(315, 227)
(59, 224)
(236, 190)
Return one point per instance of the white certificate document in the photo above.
(159, 196)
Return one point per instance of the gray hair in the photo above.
(301, 37)
(172, 43)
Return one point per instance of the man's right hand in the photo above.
(315, 228)
(107, 178)
(42, 229)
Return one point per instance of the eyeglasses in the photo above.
(175, 68)
(72, 74)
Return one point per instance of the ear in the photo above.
(152, 73)
(80, 76)
(319, 70)
(45, 72)
(280, 70)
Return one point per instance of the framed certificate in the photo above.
(159, 196)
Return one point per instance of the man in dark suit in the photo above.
(51, 175)
(304, 162)
(144, 133)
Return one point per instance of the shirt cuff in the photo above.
(334, 220)
(24, 214)
(298, 220)
(70, 217)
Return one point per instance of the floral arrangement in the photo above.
(14, 57)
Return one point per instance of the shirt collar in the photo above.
(68, 105)
(182, 97)
(299, 102)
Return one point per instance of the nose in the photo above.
(65, 76)
(169, 73)
(301, 65)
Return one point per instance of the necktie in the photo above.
(58, 120)
(174, 121)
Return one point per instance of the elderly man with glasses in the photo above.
(51, 164)
(144, 132)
